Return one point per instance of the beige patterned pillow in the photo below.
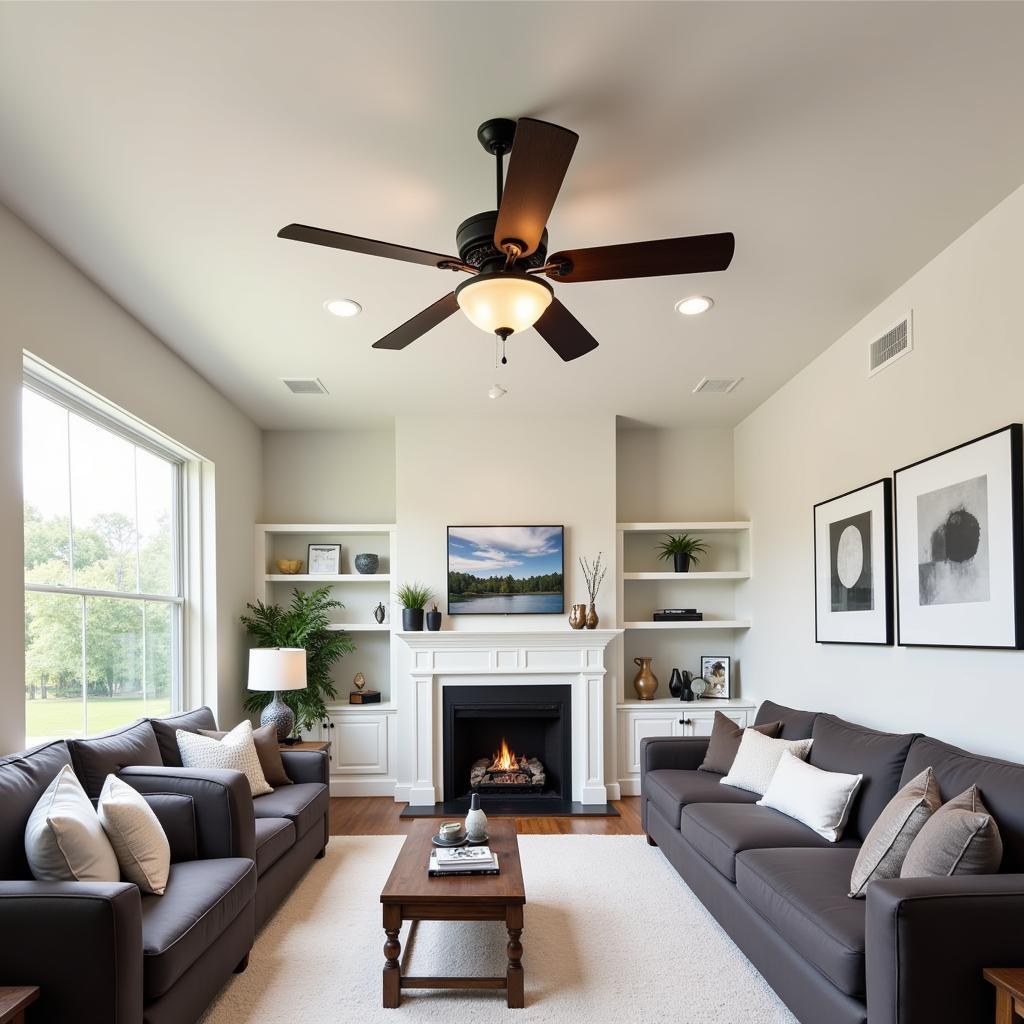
(237, 750)
(758, 757)
(136, 835)
(886, 844)
(960, 838)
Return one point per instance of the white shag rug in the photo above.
(612, 934)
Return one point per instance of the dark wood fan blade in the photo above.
(419, 324)
(696, 254)
(540, 157)
(368, 246)
(564, 333)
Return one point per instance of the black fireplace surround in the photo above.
(533, 720)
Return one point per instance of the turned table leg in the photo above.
(392, 951)
(514, 974)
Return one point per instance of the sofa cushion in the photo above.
(165, 729)
(718, 832)
(670, 790)
(1000, 785)
(304, 803)
(202, 898)
(139, 841)
(725, 742)
(268, 750)
(24, 778)
(960, 838)
(99, 756)
(796, 725)
(274, 838)
(802, 894)
(879, 756)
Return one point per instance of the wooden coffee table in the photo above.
(412, 895)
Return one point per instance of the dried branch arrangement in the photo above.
(594, 573)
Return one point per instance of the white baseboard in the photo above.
(614, 793)
(629, 787)
(363, 787)
(402, 792)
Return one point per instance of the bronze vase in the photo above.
(645, 682)
(578, 616)
(592, 619)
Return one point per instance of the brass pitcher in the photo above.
(645, 682)
(578, 616)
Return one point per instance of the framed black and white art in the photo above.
(853, 567)
(958, 545)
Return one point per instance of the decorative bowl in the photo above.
(367, 565)
(289, 566)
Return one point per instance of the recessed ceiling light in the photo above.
(694, 305)
(343, 307)
(496, 391)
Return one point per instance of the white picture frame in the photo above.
(324, 559)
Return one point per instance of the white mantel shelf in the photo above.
(507, 658)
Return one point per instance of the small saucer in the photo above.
(478, 842)
(445, 844)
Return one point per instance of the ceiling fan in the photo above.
(505, 250)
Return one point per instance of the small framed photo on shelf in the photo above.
(716, 670)
(324, 559)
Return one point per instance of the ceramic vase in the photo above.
(433, 620)
(476, 820)
(367, 565)
(675, 684)
(578, 616)
(412, 620)
(592, 619)
(645, 682)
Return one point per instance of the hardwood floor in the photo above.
(379, 816)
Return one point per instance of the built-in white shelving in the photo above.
(687, 577)
(702, 624)
(344, 577)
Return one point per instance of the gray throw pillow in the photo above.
(960, 838)
(725, 742)
(886, 844)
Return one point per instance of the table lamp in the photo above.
(273, 669)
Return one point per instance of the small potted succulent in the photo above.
(684, 551)
(413, 596)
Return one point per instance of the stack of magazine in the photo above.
(462, 860)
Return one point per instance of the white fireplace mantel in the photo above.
(458, 657)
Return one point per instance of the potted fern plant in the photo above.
(684, 551)
(304, 623)
(413, 596)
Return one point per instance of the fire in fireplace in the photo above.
(506, 772)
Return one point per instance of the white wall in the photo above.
(50, 309)
(328, 476)
(831, 429)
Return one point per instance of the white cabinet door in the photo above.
(359, 743)
(640, 727)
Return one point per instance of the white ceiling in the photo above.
(161, 146)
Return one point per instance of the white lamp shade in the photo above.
(277, 668)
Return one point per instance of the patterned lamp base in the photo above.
(278, 713)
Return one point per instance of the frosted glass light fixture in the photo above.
(504, 303)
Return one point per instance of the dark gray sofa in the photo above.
(105, 954)
(913, 951)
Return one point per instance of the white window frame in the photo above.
(191, 657)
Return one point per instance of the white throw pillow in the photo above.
(136, 835)
(237, 750)
(757, 759)
(64, 840)
(820, 799)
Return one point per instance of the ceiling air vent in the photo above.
(304, 386)
(897, 341)
(716, 385)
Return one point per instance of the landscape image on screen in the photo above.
(505, 570)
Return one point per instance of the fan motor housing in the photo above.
(475, 239)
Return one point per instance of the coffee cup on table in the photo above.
(451, 831)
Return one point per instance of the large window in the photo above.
(104, 595)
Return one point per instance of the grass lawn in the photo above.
(55, 718)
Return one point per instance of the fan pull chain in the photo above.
(504, 361)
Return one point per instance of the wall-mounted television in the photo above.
(506, 570)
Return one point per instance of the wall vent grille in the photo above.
(304, 385)
(896, 342)
(716, 385)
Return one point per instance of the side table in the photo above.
(307, 745)
(14, 1001)
(1009, 986)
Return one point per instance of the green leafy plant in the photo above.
(684, 544)
(304, 623)
(414, 595)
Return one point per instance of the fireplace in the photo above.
(513, 746)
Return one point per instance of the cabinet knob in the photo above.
(686, 721)
(332, 725)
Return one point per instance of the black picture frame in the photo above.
(1010, 539)
(453, 609)
(710, 659)
(879, 628)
